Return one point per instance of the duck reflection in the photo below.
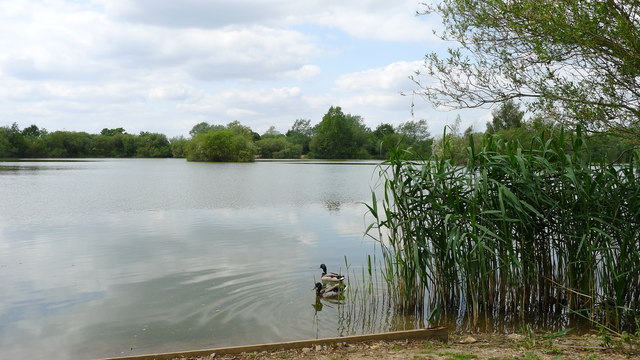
(331, 291)
(318, 304)
(333, 294)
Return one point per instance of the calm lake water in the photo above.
(123, 257)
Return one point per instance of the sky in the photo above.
(166, 65)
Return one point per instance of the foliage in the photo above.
(111, 132)
(414, 131)
(33, 131)
(384, 139)
(301, 133)
(237, 128)
(221, 145)
(12, 142)
(383, 130)
(61, 144)
(339, 136)
(507, 116)
(578, 61)
(203, 127)
(415, 135)
(452, 144)
(152, 145)
(357, 141)
(33, 142)
(521, 229)
(412, 136)
(178, 145)
(278, 147)
(273, 145)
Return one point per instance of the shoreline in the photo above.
(422, 344)
(436, 334)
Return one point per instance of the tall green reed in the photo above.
(518, 230)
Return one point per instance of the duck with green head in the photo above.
(327, 276)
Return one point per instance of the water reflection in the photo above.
(317, 306)
(332, 205)
(131, 257)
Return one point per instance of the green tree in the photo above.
(35, 145)
(12, 142)
(414, 131)
(152, 145)
(102, 146)
(34, 131)
(17, 145)
(340, 136)
(383, 130)
(72, 144)
(178, 145)
(578, 61)
(383, 140)
(508, 115)
(199, 128)
(4, 143)
(278, 147)
(204, 127)
(271, 132)
(124, 145)
(112, 132)
(416, 135)
(301, 133)
(237, 128)
(221, 145)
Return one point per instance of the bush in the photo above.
(221, 145)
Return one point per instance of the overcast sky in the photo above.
(166, 65)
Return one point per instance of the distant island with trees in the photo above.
(338, 135)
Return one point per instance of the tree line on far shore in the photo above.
(337, 136)
(34, 142)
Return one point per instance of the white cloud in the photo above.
(380, 20)
(375, 20)
(255, 53)
(393, 77)
(113, 92)
(85, 45)
(379, 25)
(48, 41)
(305, 73)
(259, 108)
(263, 107)
(163, 65)
(196, 13)
(174, 92)
(376, 95)
(242, 98)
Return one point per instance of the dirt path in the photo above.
(460, 347)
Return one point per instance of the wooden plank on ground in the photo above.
(437, 333)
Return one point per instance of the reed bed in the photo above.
(519, 231)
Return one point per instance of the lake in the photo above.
(104, 258)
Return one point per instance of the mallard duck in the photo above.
(328, 292)
(327, 276)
